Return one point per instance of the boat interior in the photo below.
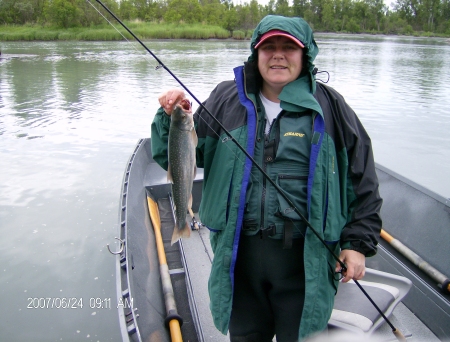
(412, 302)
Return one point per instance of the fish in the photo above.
(182, 165)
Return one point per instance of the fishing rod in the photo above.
(343, 266)
(279, 190)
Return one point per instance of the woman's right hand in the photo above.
(170, 98)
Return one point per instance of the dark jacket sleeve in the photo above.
(363, 226)
(160, 137)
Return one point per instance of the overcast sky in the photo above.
(261, 2)
(265, 2)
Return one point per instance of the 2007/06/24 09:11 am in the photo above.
(75, 303)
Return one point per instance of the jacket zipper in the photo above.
(264, 166)
(263, 195)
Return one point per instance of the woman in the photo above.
(271, 275)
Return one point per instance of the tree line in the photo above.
(430, 17)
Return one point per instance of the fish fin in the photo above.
(190, 205)
(186, 231)
(195, 172)
(169, 174)
(180, 233)
(191, 213)
(194, 137)
(176, 235)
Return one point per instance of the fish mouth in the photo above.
(185, 105)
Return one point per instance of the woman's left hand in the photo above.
(356, 265)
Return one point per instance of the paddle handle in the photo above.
(441, 279)
(156, 222)
(175, 331)
(173, 320)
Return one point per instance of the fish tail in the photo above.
(180, 233)
(186, 231)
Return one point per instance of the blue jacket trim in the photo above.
(251, 129)
(319, 129)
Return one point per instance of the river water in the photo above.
(71, 113)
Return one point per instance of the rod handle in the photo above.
(398, 334)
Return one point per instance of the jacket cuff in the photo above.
(163, 116)
(360, 247)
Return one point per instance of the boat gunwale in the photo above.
(123, 259)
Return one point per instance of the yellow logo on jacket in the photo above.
(294, 134)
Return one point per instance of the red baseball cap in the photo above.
(273, 33)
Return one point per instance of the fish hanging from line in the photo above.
(182, 165)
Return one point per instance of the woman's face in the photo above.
(279, 62)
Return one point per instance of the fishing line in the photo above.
(110, 23)
(118, 31)
(278, 189)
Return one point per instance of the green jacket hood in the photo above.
(295, 26)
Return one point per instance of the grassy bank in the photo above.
(106, 32)
(144, 30)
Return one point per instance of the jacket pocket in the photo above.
(295, 188)
(293, 139)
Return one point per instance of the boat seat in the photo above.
(353, 311)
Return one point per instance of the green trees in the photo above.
(354, 16)
(63, 13)
(20, 11)
(425, 15)
(230, 19)
(188, 11)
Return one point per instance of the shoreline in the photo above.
(149, 31)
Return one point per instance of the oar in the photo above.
(173, 320)
(442, 281)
